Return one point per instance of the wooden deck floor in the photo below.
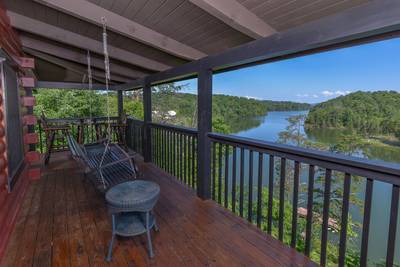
(64, 222)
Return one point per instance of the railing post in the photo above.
(147, 120)
(204, 123)
(120, 103)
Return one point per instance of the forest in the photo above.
(367, 113)
(166, 100)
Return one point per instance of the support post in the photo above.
(120, 103)
(204, 124)
(147, 120)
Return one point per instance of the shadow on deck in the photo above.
(64, 222)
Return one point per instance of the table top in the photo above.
(137, 194)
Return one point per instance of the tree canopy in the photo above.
(366, 112)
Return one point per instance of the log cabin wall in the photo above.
(17, 156)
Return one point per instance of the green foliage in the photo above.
(366, 112)
(56, 103)
(230, 113)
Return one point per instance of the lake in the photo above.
(276, 122)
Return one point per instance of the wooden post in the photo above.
(147, 120)
(204, 124)
(120, 103)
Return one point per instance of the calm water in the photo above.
(276, 122)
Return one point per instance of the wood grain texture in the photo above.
(64, 222)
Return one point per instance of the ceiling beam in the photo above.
(67, 85)
(58, 34)
(236, 16)
(92, 13)
(99, 76)
(77, 57)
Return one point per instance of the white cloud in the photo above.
(315, 96)
(335, 93)
(302, 95)
(252, 97)
(327, 93)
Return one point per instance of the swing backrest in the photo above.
(77, 151)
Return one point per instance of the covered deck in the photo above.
(54, 217)
(64, 222)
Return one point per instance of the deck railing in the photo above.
(279, 169)
(85, 130)
(174, 149)
(301, 196)
(134, 135)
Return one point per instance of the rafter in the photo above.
(99, 76)
(237, 16)
(77, 57)
(92, 13)
(51, 32)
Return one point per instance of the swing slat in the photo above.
(117, 166)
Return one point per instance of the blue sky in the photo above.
(316, 78)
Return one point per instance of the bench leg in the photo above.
(110, 246)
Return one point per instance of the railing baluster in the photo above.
(241, 193)
(394, 211)
(165, 150)
(310, 200)
(169, 143)
(219, 173)
(181, 157)
(234, 180)
(250, 201)
(194, 166)
(296, 184)
(159, 146)
(325, 216)
(344, 222)
(270, 192)
(185, 137)
(366, 222)
(174, 159)
(281, 198)
(259, 188)
(214, 146)
(226, 176)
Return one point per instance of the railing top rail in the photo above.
(374, 169)
(135, 120)
(175, 128)
(65, 120)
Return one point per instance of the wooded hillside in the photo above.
(366, 112)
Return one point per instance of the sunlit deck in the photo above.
(64, 222)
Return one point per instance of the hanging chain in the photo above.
(90, 84)
(107, 79)
(107, 73)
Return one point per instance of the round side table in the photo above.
(131, 204)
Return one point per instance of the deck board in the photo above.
(64, 222)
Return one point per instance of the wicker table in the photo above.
(131, 204)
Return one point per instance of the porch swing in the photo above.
(105, 164)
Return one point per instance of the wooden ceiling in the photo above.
(147, 36)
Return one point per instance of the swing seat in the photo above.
(117, 166)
